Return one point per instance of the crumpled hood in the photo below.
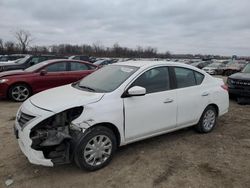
(13, 73)
(62, 98)
(241, 76)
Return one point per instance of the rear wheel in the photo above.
(228, 72)
(19, 92)
(95, 149)
(207, 121)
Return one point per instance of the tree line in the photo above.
(23, 40)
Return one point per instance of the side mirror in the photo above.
(43, 72)
(136, 91)
(32, 63)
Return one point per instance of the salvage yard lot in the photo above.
(180, 159)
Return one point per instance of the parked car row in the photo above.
(26, 62)
(16, 73)
(225, 68)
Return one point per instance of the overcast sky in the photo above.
(179, 26)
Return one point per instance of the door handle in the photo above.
(205, 94)
(168, 100)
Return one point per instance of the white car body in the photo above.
(135, 118)
(210, 70)
(14, 61)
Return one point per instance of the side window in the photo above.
(91, 67)
(35, 60)
(154, 80)
(57, 67)
(77, 58)
(41, 59)
(184, 77)
(199, 77)
(78, 66)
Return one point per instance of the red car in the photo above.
(18, 85)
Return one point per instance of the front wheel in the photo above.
(19, 92)
(207, 121)
(95, 148)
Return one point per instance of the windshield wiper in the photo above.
(86, 87)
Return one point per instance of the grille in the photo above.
(24, 118)
(241, 82)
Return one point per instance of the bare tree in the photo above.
(23, 38)
(9, 47)
(1, 46)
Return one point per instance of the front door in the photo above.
(56, 75)
(154, 112)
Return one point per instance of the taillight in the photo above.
(224, 87)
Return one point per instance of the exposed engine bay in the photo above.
(54, 136)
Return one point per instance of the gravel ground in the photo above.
(181, 159)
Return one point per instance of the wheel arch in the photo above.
(17, 83)
(216, 108)
(111, 127)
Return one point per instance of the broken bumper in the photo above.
(44, 136)
(35, 157)
(23, 135)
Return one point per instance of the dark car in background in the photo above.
(103, 62)
(233, 67)
(18, 85)
(201, 64)
(214, 68)
(83, 58)
(27, 61)
(239, 83)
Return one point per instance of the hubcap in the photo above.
(209, 120)
(98, 150)
(20, 93)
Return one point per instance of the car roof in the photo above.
(65, 60)
(151, 63)
(148, 64)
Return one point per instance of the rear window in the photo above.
(199, 77)
(187, 77)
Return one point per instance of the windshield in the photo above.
(247, 68)
(106, 79)
(23, 60)
(37, 66)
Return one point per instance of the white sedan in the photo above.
(119, 104)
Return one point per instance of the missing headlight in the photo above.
(53, 135)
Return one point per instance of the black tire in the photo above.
(26, 92)
(200, 127)
(232, 96)
(242, 101)
(79, 155)
(228, 72)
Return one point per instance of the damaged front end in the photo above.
(54, 137)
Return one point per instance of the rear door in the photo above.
(79, 70)
(192, 95)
